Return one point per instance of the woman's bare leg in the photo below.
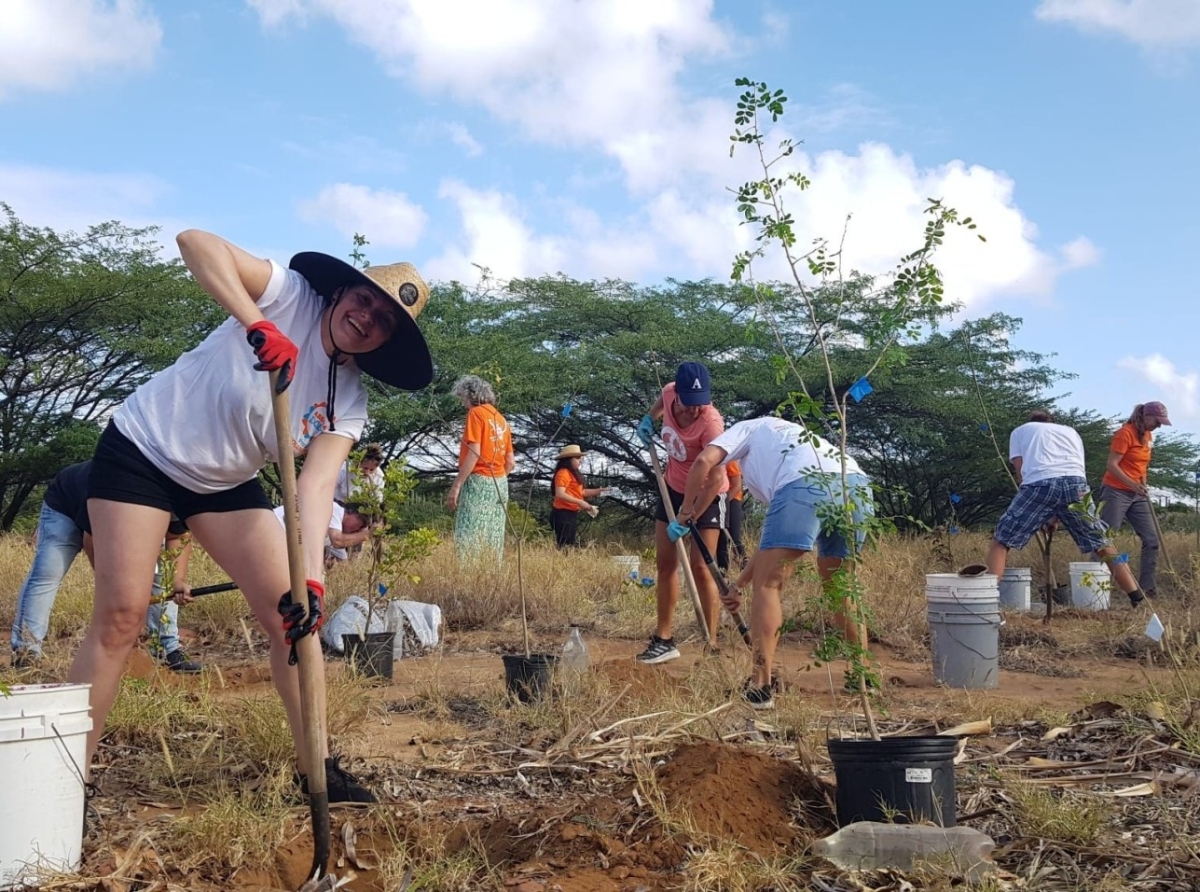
(666, 561)
(251, 547)
(126, 541)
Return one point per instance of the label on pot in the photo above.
(918, 775)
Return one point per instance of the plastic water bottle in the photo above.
(575, 652)
(866, 845)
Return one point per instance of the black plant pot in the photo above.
(897, 780)
(529, 678)
(371, 657)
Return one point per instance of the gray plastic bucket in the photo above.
(964, 629)
(1015, 587)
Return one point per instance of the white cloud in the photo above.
(495, 234)
(49, 44)
(884, 195)
(461, 136)
(1178, 390)
(1150, 23)
(67, 199)
(601, 73)
(386, 218)
(604, 75)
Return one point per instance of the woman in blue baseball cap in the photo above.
(689, 423)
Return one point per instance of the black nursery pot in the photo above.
(895, 780)
(371, 657)
(529, 678)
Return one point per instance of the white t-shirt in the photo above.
(1046, 450)
(335, 523)
(773, 453)
(346, 486)
(206, 421)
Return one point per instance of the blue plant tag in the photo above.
(953, 531)
(860, 389)
(566, 412)
(983, 427)
(383, 590)
(955, 498)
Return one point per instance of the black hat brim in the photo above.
(404, 361)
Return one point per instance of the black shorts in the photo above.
(711, 518)
(120, 473)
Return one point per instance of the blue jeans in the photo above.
(162, 622)
(59, 541)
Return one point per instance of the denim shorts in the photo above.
(795, 517)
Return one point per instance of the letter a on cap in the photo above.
(696, 385)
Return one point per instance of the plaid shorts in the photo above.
(1036, 504)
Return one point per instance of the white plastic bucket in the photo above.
(629, 564)
(1015, 587)
(43, 742)
(964, 629)
(1091, 583)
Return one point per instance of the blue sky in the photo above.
(537, 136)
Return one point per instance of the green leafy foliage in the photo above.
(84, 319)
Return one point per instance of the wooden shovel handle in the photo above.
(308, 648)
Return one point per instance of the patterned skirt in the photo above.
(480, 518)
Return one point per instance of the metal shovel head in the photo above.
(973, 570)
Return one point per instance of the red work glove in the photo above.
(274, 351)
(295, 626)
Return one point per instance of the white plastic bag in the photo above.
(351, 619)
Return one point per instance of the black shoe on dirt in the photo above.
(756, 697)
(1150, 593)
(177, 661)
(341, 784)
(23, 659)
(660, 651)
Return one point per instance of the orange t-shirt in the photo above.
(733, 469)
(564, 478)
(1135, 456)
(487, 427)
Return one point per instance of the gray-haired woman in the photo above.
(479, 493)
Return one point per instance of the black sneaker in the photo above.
(23, 659)
(1150, 593)
(341, 784)
(660, 651)
(177, 661)
(1136, 597)
(758, 698)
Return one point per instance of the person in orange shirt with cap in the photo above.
(1123, 492)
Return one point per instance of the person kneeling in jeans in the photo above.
(64, 530)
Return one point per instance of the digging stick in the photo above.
(200, 592)
(308, 649)
(685, 566)
(1049, 538)
(719, 579)
(1162, 545)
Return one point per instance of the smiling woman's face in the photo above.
(363, 319)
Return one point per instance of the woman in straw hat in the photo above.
(191, 440)
(570, 497)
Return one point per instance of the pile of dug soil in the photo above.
(766, 804)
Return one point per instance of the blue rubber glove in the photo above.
(645, 430)
(676, 531)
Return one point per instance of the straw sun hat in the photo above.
(404, 360)
(572, 451)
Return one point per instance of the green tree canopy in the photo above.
(84, 319)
